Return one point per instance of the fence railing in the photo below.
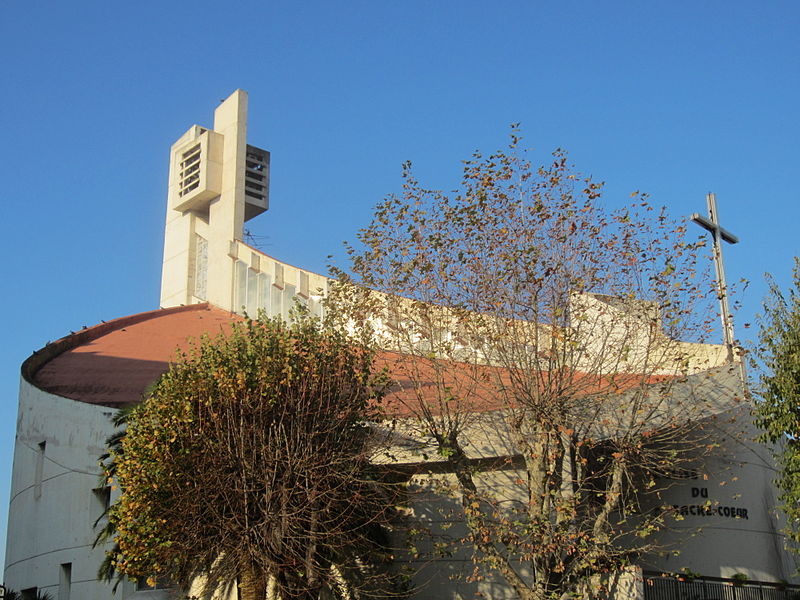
(661, 587)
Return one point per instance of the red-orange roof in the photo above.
(112, 364)
(475, 387)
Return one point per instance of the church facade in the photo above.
(70, 390)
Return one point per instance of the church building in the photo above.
(70, 389)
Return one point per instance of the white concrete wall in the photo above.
(56, 527)
(731, 522)
(741, 535)
(452, 577)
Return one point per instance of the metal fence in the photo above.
(659, 587)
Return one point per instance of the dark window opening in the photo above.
(192, 150)
(254, 195)
(65, 581)
(39, 474)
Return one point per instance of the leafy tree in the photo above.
(777, 356)
(526, 317)
(251, 460)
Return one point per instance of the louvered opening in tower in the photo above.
(256, 181)
(189, 176)
(256, 173)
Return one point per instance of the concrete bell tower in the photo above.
(216, 183)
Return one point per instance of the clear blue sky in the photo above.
(674, 98)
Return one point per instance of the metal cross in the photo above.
(719, 235)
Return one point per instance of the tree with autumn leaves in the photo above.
(537, 334)
(250, 461)
(533, 340)
(776, 358)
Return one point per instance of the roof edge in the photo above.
(283, 262)
(40, 357)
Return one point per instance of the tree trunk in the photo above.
(252, 586)
(345, 591)
(470, 501)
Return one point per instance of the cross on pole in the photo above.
(719, 235)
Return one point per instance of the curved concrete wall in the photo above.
(53, 506)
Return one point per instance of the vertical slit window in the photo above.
(264, 286)
(39, 473)
(288, 300)
(252, 293)
(315, 307)
(65, 581)
(240, 297)
(275, 301)
(201, 268)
